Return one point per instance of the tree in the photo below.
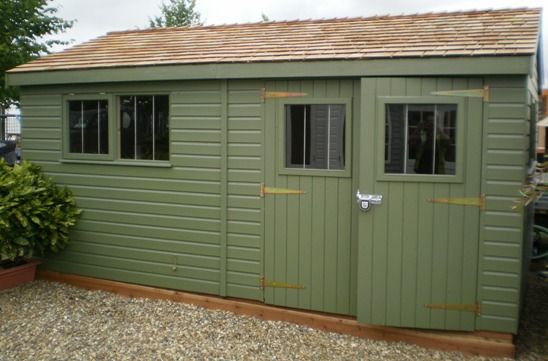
(177, 13)
(264, 17)
(23, 23)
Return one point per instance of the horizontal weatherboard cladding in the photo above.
(505, 158)
(164, 226)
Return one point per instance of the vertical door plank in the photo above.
(305, 242)
(424, 259)
(293, 256)
(318, 243)
(409, 257)
(343, 246)
(439, 255)
(331, 238)
(395, 221)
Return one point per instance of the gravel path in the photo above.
(52, 321)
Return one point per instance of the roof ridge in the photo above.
(325, 20)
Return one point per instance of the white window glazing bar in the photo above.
(328, 135)
(304, 136)
(405, 138)
(82, 125)
(135, 127)
(153, 128)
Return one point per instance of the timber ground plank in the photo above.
(490, 344)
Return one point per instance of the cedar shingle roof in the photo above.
(470, 33)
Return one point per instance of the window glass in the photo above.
(144, 132)
(88, 126)
(315, 136)
(420, 139)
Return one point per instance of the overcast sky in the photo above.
(97, 17)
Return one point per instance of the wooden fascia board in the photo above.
(508, 65)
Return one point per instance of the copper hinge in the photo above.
(463, 201)
(470, 93)
(271, 190)
(270, 94)
(475, 307)
(274, 284)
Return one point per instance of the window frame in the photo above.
(281, 141)
(117, 108)
(66, 131)
(458, 177)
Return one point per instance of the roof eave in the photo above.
(442, 66)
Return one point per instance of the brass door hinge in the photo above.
(470, 93)
(475, 307)
(274, 284)
(270, 94)
(463, 201)
(271, 190)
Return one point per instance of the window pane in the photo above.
(88, 126)
(315, 136)
(91, 116)
(144, 124)
(75, 127)
(161, 127)
(144, 127)
(298, 135)
(420, 139)
(127, 127)
(103, 126)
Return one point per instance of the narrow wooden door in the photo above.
(420, 150)
(308, 253)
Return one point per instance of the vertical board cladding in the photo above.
(505, 158)
(310, 239)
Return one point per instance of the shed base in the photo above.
(489, 344)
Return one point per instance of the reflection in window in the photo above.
(315, 136)
(88, 126)
(144, 127)
(420, 138)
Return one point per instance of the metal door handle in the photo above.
(366, 200)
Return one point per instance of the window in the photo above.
(420, 139)
(144, 132)
(315, 136)
(88, 126)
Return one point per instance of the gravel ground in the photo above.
(532, 341)
(52, 321)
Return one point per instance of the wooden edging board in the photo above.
(477, 343)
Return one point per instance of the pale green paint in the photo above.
(411, 252)
(297, 69)
(203, 206)
(308, 237)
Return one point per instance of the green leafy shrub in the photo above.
(35, 215)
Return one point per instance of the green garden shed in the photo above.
(365, 167)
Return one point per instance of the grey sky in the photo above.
(97, 17)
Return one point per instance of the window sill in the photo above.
(152, 164)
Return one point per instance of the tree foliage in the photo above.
(177, 13)
(23, 23)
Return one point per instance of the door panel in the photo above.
(412, 252)
(308, 237)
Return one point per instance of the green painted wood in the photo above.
(411, 251)
(356, 68)
(308, 236)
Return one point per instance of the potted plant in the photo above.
(35, 217)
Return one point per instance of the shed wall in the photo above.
(165, 226)
(505, 163)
